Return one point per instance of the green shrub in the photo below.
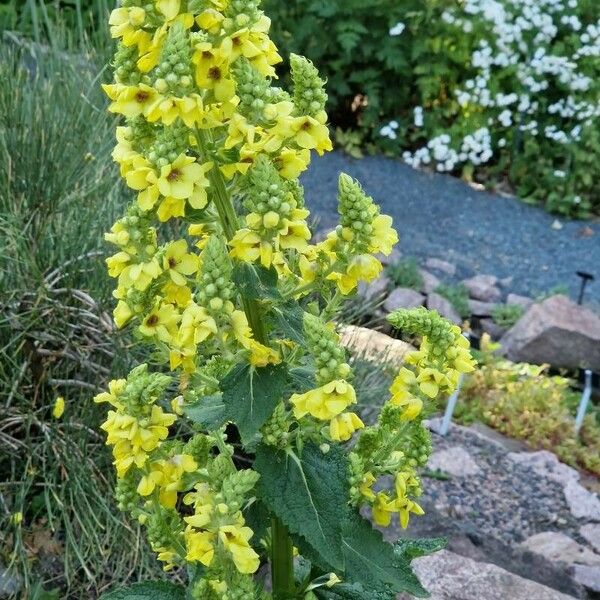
(458, 296)
(406, 274)
(497, 90)
(506, 315)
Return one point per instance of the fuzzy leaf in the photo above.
(256, 282)
(250, 395)
(410, 548)
(208, 412)
(150, 590)
(309, 493)
(373, 563)
(352, 591)
(288, 318)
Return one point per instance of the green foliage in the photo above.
(308, 492)
(405, 273)
(408, 91)
(523, 402)
(458, 296)
(151, 590)
(208, 412)
(506, 315)
(250, 395)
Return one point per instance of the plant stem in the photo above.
(282, 565)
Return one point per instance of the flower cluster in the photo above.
(399, 443)
(216, 271)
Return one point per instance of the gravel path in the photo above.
(441, 216)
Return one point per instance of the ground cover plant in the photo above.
(524, 402)
(230, 440)
(60, 527)
(500, 90)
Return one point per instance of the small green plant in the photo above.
(458, 296)
(406, 274)
(506, 315)
(524, 402)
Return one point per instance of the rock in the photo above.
(506, 282)
(591, 533)
(558, 332)
(403, 298)
(375, 289)
(546, 464)
(519, 300)
(430, 282)
(394, 257)
(10, 583)
(489, 326)
(481, 309)
(587, 576)
(559, 547)
(483, 287)
(449, 576)
(455, 461)
(444, 307)
(583, 504)
(438, 264)
(373, 345)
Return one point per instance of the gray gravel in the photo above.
(441, 216)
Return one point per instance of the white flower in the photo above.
(397, 29)
(418, 116)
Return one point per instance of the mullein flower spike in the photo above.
(212, 152)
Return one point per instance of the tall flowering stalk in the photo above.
(231, 448)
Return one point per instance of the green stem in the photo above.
(282, 562)
(282, 566)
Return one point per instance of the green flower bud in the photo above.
(174, 70)
(215, 276)
(254, 90)
(309, 89)
(125, 65)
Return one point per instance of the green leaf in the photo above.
(208, 412)
(288, 318)
(309, 494)
(255, 282)
(375, 564)
(352, 591)
(250, 395)
(410, 548)
(302, 379)
(151, 590)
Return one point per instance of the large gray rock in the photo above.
(546, 464)
(587, 576)
(559, 547)
(455, 461)
(519, 300)
(483, 287)
(403, 298)
(430, 282)
(444, 307)
(492, 328)
(558, 332)
(481, 309)
(375, 289)
(437, 264)
(449, 576)
(582, 503)
(591, 533)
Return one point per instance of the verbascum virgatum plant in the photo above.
(232, 447)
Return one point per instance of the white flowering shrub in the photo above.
(492, 89)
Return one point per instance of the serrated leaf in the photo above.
(255, 282)
(250, 395)
(150, 590)
(411, 548)
(309, 494)
(373, 563)
(288, 318)
(209, 412)
(302, 379)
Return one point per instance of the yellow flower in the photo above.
(161, 322)
(131, 101)
(430, 380)
(384, 236)
(117, 263)
(178, 295)
(59, 407)
(141, 275)
(366, 485)
(404, 511)
(196, 325)
(200, 546)
(178, 263)
(235, 541)
(122, 314)
(212, 71)
(178, 179)
(343, 426)
(291, 163)
(312, 135)
(325, 402)
(245, 246)
(169, 8)
(115, 387)
(126, 23)
(383, 509)
(363, 267)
